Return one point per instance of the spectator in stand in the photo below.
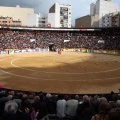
(89, 110)
(113, 104)
(20, 39)
(3, 100)
(118, 103)
(71, 107)
(103, 112)
(17, 105)
(10, 110)
(51, 104)
(81, 107)
(102, 100)
(114, 114)
(61, 106)
(23, 114)
(40, 107)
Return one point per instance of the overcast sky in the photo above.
(79, 7)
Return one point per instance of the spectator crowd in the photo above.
(19, 105)
(21, 39)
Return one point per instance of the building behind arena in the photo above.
(16, 13)
(60, 15)
(101, 14)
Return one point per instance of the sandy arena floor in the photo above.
(67, 73)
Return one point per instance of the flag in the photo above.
(32, 40)
(66, 40)
(101, 41)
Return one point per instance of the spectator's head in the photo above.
(85, 98)
(48, 95)
(102, 100)
(113, 104)
(104, 108)
(94, 103)
(72, 97)
(67, 97)
(36, 98)
(60, 97)
(114, 114)
(24, 96)
(11, 107)
(118, 103)
(77, 97)
(10, 97)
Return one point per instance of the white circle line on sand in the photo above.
(53, 79)
(64, 72)
(21, 75)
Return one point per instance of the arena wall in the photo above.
(84, 50)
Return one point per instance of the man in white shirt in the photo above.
(61, 106)
(71, 107)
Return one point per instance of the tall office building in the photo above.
(103, 8)
(60, 16)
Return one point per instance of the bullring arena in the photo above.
(70, 72)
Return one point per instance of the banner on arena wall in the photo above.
(3, 52)
(95, 51)
(84, 50)
(89, 51)
(23, 50)
(16, 51)
(111, 52)
(33, 50)
(76, 50)
(104, 52)
(101, 51)
(40, 50)
(20, 51)
(11, 51)
(29, 50)
(45, 50)
(37, 50)
(26, 50)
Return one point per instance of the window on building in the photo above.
(65, 17)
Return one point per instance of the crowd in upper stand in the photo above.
(18, 105)
(21, 39)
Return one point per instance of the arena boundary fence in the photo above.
(13, 51)
(82, 50)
